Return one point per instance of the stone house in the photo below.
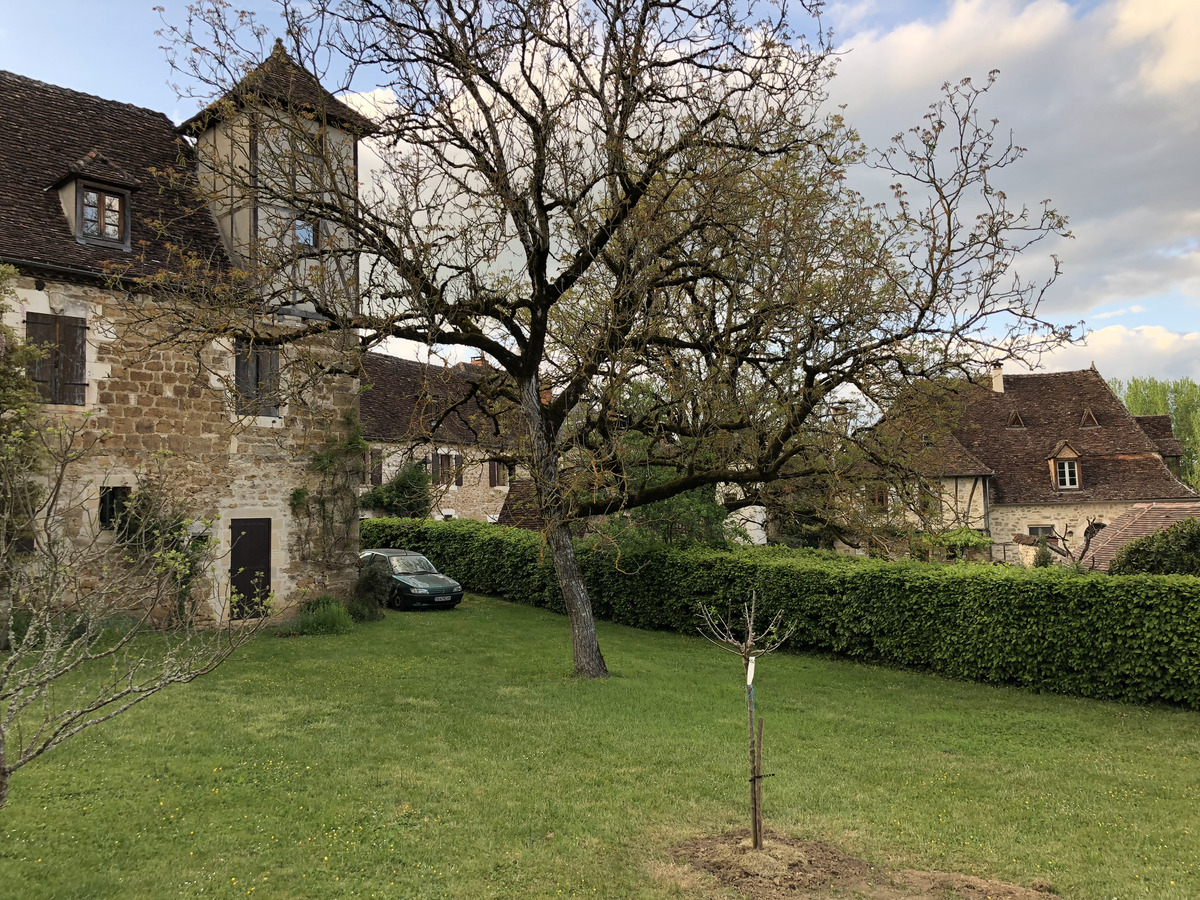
(415, 413)
(1048, 455)
(85, 212)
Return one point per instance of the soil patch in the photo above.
(790, 869)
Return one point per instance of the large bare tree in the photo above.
(640, 215)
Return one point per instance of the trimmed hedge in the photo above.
(1131, 638)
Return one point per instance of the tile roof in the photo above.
(279, 79)
(1139, 521)
(410, 400)
(51, 134)
(1117, 460)
(520, 509)
(1158, 429)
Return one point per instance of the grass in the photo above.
(452, 755)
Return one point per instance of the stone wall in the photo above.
(1068, 519)
(152, 404)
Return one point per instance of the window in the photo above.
(1043, 532)
(256, 375)
(1068, 474)
(497, 474)
(877, 497)
(61, 373)
(112, 503)
(1015, 421)
(443, 469)
(306, 232)
(103, 214)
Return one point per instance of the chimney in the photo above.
(998, 378)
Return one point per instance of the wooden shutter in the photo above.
(245, 375)
(61, 374)
(436, 475)
(493, 474)
(41, 331)
(268, 380)
(376, 467)
(458, 472)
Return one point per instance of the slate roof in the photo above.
(413, 401)
(48, 134)
(1139, 521)
(280, 80)
(1117, 460)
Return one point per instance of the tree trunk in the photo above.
(4, 776)
(589, 661)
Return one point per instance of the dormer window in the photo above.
(102, 215)
(1015, 421)
(1088, 420)
(1068, 474)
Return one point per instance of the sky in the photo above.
(1104, 94)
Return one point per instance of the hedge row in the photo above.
(1132, 638)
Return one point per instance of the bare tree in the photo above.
(640, 216)
(749, 644)
(92, 620)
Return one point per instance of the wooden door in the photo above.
(250, 566)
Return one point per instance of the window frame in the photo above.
(102, 191)
(1066, 474)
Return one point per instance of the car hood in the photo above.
(431, 580)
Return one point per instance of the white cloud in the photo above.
(1105, 98)
(1172, 30)
(1117, 351)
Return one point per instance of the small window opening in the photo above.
(497, 474)
(1088, 420)
(1044, 532)
(1015, 421)
(113, 500)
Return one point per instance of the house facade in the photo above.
(428, 415)
(86, 213)
(1054, 456)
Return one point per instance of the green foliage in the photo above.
(405, 495)
(1180, 399)
(1134, 639)
(1172, 551)
(324, 615)
(371, 592)
(1043, 557)
(690, 519)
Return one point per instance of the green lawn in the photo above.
(452, 755)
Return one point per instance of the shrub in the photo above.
(1172, 551)
(406, 494)
(1134, 638)
(324, 615)
(371, 592)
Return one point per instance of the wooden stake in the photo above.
(755, 837)
(758, 780)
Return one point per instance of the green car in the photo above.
(416, 582)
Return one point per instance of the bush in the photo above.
(1131, 638)
(324, 615)
(406, 494)
(1172, 551)
(371, 592)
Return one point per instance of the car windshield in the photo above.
(410, 565)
